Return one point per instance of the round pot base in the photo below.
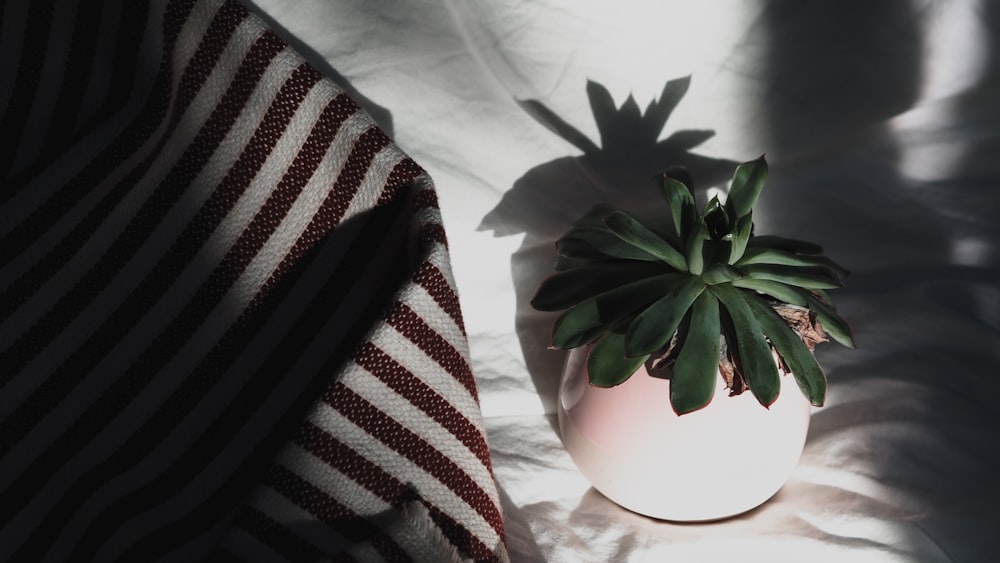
(714, 463)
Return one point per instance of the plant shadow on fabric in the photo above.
(622, 171)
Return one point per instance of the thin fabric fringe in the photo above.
(228, 327)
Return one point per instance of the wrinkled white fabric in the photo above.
(881, 127)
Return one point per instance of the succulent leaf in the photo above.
(788, 244)
(755, 355)
(720, 273)
(833, 324)
(748, 181)
(797, 356)
(653, 328)
(822, 296)
(594, 217)
(578, 325)
(807, 277)
(581, 245)
(780, 291)
(572, 252)
(607, 364)
(696, 289)
(693, 377)
(565, 289)
(716, 219)
(603, 241)
(764, 255)
(696, 248)
(628, 229)
(569, 261)
(585, 321)
(741, 237)
(680, 200)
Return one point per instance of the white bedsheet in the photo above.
(881, 126)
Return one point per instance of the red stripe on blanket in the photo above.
(220, 31)
(352, 174)
(434, 232)
(402, 175)
(349, 462)
(373, 478)
(415, 448)
(413, 327)
(409, 386)
(429, 277)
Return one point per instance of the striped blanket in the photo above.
(228, 326)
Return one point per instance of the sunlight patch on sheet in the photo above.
(853, 482)
(970, 251)
(955, 56)
(900, 541)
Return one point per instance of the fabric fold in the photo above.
(229, 325)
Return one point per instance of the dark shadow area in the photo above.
(832, 70)
(408, 527)
(622, 171)
(832, 76)
(912, 406)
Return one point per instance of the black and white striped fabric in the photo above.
(228, 327)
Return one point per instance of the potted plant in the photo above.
(664, 316)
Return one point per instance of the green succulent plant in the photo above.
(691, 293)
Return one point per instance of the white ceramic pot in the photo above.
(722, 460)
